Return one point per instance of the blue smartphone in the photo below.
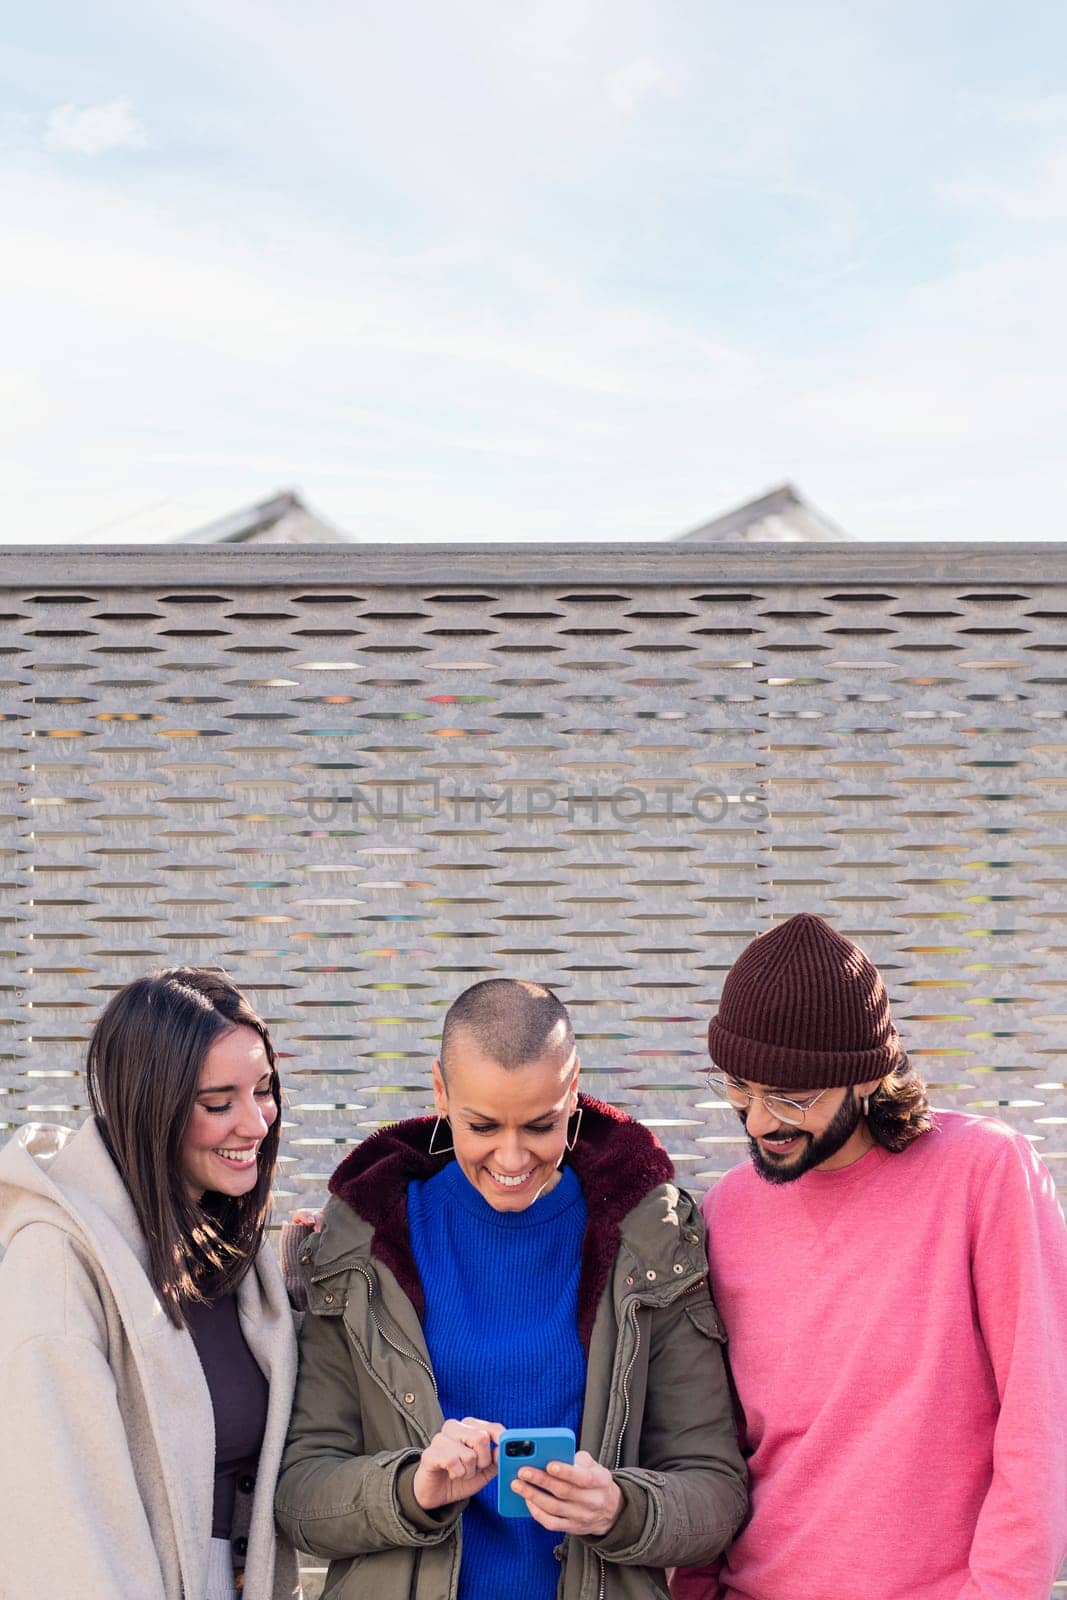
(527, 1447)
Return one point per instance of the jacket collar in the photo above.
(617, 1161)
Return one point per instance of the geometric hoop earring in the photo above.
(442, 1150)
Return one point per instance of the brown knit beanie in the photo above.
(803, 1008)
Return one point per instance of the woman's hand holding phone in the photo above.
(582, 1499)
(457, 1462)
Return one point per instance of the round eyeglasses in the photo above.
(778, 1106)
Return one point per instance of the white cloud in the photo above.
(1047, 111)
(1040, 111)
(628, 86)
(1038, 195)
(92, 130)
(177, 363)
(528, 280)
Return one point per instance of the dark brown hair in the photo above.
(142, 1074)
(898, 1110)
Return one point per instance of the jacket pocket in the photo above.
(390, 1574)
(704, 1317)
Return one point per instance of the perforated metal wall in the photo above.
(362, 779)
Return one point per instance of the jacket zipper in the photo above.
(631, 1314)
(409, 1355)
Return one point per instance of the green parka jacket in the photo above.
(657, 1406)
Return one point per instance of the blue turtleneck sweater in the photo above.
(501, 1327)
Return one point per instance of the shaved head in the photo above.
(510, 1021)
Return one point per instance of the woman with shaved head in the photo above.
(523, 1260)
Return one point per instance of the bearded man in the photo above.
(894, 1286)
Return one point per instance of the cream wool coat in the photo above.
(107, 1459)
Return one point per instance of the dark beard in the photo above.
(820, 1148)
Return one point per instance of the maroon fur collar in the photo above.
(617, 1162)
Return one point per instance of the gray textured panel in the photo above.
(361, 784)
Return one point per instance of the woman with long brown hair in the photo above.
(147, 1351)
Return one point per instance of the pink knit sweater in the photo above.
(898, 1337)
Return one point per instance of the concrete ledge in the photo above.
(33, 568)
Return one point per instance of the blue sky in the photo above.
(479, 270)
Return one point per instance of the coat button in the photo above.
(630, 1280)
(692, 1238)
(409, 1399)
(246, 1483)
(328, 1299)
(678, 1269)
(650, 1275)
(240, 1545)
(305, 1261)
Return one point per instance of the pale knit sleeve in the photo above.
(1019, 1271)
(290, 1246)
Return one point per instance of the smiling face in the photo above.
(509, 1125)
(233, 1110)
(834, 1132)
